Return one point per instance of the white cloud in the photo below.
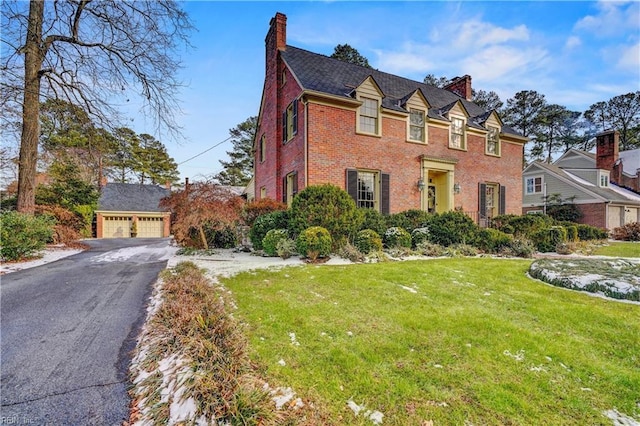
(573, 42)
(476, 34)
(630, 58)
(498, 62)
(613, 18)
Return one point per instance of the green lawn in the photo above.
(455, 341)
(619, 249)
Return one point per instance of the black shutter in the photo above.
(503, 200)
(284, 189)
(294, 190)
(352, 184)
(295, 116)
(482, 201)
(284, 126)
(385, 193)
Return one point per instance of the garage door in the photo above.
(116, 227)
(630, 215)
(150, 227)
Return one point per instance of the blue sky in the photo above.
(575, 53)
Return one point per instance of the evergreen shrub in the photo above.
(367, 241)
(23, 235)
(329, 207)
(374, 220)
(263, 224)
(409, 219)
(491, 240)
(314, 242)
(286, 248)
(590, 233)
(419, 235)
(397, 237)
(271, 240)
(546, 240)
(452, 227)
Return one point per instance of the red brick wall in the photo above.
(593, 214)
(334, 146)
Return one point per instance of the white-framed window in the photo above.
(368, 191)
(534, 185)
(417, 131)
(290, 188)
(457, 138)
(493, 141)
(369, 116)
(263, 149)
(290, 121)
(604, 180)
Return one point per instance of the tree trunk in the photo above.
(203, 238)
(30, 110)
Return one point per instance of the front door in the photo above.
(431, 199)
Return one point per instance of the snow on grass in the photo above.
(409, 289)
(141, 254)
(620, 419)
(374, 416)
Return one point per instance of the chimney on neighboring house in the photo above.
(607, 149)
(461, 86)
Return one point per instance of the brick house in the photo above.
(598, 184)
(393, 144)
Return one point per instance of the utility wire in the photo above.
(205, 151)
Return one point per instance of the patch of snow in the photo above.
(620, 419)
(349, 333)
(375, 416)
(437, 366)
(294, 342)
(409, 289)
(518, 356)
(141, 254)
(48, 255)
(282, 363)
(281, 396)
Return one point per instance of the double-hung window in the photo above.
(416, 125)
(493, 142)
(457, 133)
(369, 119)
(290, 121)
(534, 185)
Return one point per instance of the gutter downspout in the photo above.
(305, 102)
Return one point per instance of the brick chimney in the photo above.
(607, 149)
(277, 36)
(461, 86)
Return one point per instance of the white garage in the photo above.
(150, 227)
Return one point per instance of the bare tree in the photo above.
(92, 53)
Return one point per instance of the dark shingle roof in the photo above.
(327, 75)
(131, 197)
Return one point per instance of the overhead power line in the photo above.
(205, 151)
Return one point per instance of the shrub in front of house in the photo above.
(419, 235)
(329, 207)
(314, 242)
(368, 241)
(628, 232)
(546, 240)
(286, 248)
(351, 252)
(519, 247)
(23, 235)
(460, 250)
(430, 249)
(491, 240)
(254, 209)
(522, 225)
(409, 219)
(591, 233)
(572, 233)
(271, 240)
(374, 220)
(397, 237)
(451, 227)
(263, 224)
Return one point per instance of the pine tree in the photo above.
(239, 169)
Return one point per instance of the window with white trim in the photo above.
(416, 125)
(534, 185)
(493, 141)
(457, 139)
(369, 116)
(604, 180)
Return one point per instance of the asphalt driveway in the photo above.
(67, 330)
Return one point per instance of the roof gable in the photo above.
(575, 158)
(131, 197)
(322, 74)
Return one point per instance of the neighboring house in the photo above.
(587, 180)
(393, 144)
(126, 210)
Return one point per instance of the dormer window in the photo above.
(416, 125)
(604, 179)
(369, 120)
(457, 138)
(493, 141)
